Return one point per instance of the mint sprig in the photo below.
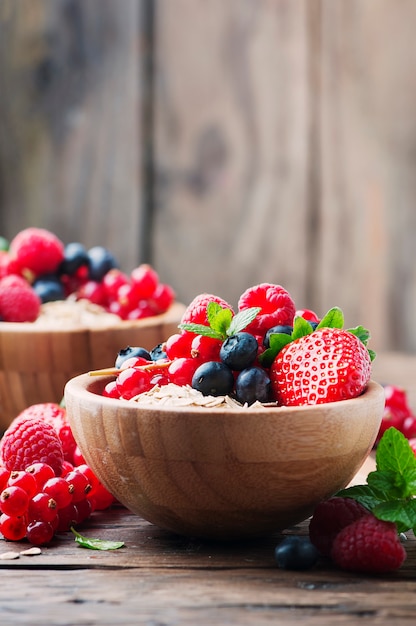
(222, 322)
(390, 492)
(95, 544)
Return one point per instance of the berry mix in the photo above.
(37, 268)
(265, 352)
(46, 487)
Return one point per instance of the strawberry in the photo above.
(326, 365)
(368, 545)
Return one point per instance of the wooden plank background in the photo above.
(227, 143)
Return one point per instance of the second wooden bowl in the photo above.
(37, 361)
(222, 473)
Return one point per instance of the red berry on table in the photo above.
(41, 472)
(39, 532)
(30, 441)
(14, 501)
(368, 545)
(13, 528)
(59, 490)
(329, 518)
(327, 365)
(20, 478)
(42, 507)
(37, 251)
(18, 300)
(277, 307)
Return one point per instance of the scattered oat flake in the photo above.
(8, 556)
(185, 395)
(31, 551)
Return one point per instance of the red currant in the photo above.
(132, 381)
(79, 486)
(41, 472)
(162, 298)
(12, 528)
(68, 516)
(42, 508)
(102, 498)
(58, 488)
(144, 280)
(110, 390)
(24, 480)
(181, 370)
(4, 477)
(14, 501)
(206, 348)
(39, 533)
(179, 345)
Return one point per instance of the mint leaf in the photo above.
(276, 341)
(394, 453)
(221, 321)
(402, 513)
(364, 494)
(96, 544)
(241, 320)
(333, 319)
(390, 492)
(213, 308)
(200, 329)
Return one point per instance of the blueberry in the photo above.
(49, 288)
(253, 384)
(287, 330)
(129, 352)
(296, 553)
(75, 256)
(213, 378)
(101, 261)
(157, 353)
(239, 351)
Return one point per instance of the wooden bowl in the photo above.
(222, 473)
(36, 362)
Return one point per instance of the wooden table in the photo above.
(159, 579)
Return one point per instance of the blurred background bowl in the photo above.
(221, 473)
(37, 361)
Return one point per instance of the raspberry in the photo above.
(18, 301)
(277, 307)
(54, 415)
(196, 311)
(329, 518)
(31, 441)
(37, 251)
(368, 545)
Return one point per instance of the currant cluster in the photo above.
(212, 366)
(36, 504)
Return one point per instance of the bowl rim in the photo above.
(19, 328)
(79, 386)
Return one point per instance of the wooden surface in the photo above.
(228, 143)
(163, 579)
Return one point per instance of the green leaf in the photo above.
(213, 308)
(401, 512)
(333, 319)
(277, 341)
(372, 354)
(200, 329)
(364, 494)
(241, 320)
(394, 453)
(362, 333)
(301, 327)
(96, 544)
(391, 484)
(221, 321)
